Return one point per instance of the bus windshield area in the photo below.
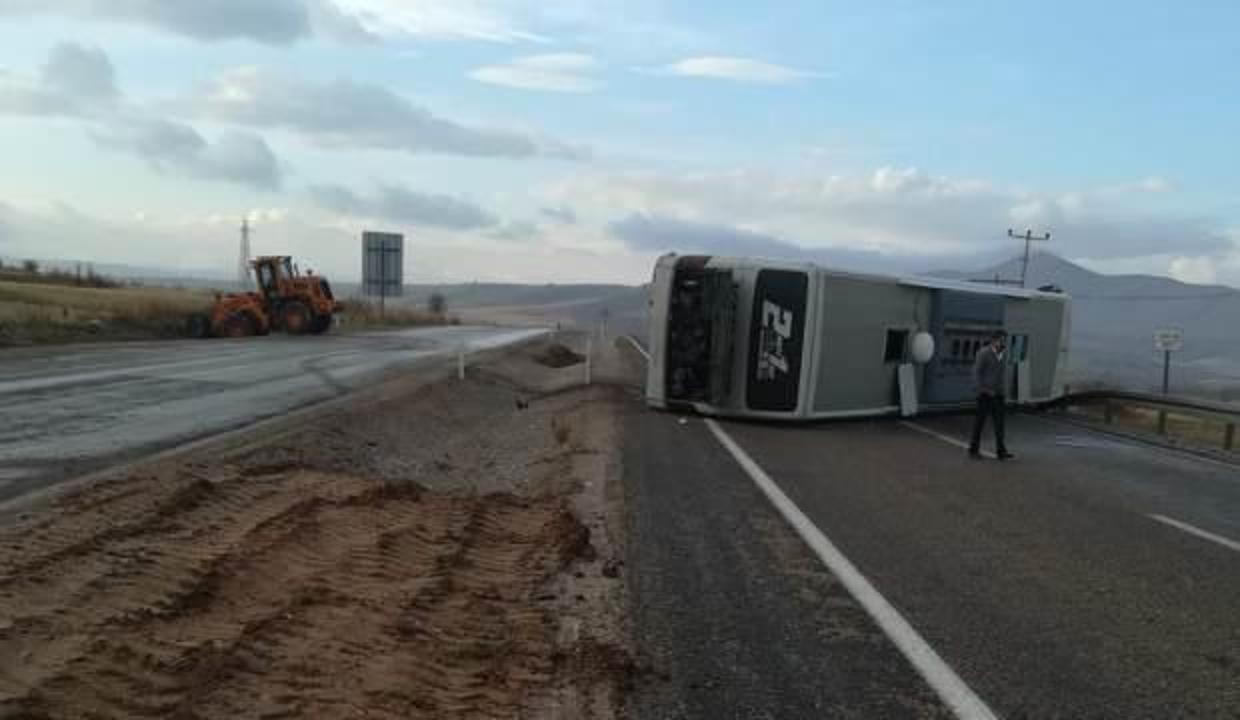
(701, 313)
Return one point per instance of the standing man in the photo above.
(988, 378)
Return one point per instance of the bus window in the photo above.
(897, 346)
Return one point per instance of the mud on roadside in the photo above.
(449, 551)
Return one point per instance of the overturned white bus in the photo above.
(747, 337)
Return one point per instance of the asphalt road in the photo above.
(1048, 584)
(732, 615)
(70, 410)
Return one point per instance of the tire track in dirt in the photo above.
(295, 594)
(416, 556)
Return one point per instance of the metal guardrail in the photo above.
(1227, 414)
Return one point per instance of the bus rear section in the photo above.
(727, 336)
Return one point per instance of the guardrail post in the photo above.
(1162, 422)
(1229, 436)
(1108, 412)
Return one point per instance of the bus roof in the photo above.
(919, 281)
(981, 288)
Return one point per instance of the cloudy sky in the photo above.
(570, 140)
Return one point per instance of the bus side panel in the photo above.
(1059, 385)
(777, 340)
(854, 374)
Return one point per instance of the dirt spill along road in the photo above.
(354, 568)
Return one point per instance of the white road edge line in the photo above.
(1203, 534)
(964, 703)
(945, 438)
(638, 347)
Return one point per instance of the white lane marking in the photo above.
(638, 347)
(945, 438)
(941, 678)
(1203, 534)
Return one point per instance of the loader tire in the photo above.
(238, 325)
(296, 318)
(198, 326)
(321, 324)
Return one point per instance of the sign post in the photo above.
(1167, 340)
(383, 266)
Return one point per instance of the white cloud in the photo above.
(562, 215)
(458, 19)
(79, 82)
(889, 179)
(76, 81)
(1155, 184)
(345, 113)
(82, 72)
(169, 146)
(1197, 270)
(401, 204)
(555, 72)
(738, 69)
(637, 27)
(268, 21)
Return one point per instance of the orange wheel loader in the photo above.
(286, 300)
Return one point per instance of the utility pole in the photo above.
(243, 261)
(1029, 239)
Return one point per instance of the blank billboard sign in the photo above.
(383, 264)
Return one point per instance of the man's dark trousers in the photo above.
(992, 406)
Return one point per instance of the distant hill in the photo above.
(1114, 318)
(623, 307)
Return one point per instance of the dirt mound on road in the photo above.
(556, 355)
(299, 595)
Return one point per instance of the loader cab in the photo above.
(271, 273)
(266, 276)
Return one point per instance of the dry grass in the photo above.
(1187, 429)
(42, 313)
(557, 356)
(35, 313)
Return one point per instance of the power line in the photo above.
(1029, 239)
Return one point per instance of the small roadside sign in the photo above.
(1169, 339)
